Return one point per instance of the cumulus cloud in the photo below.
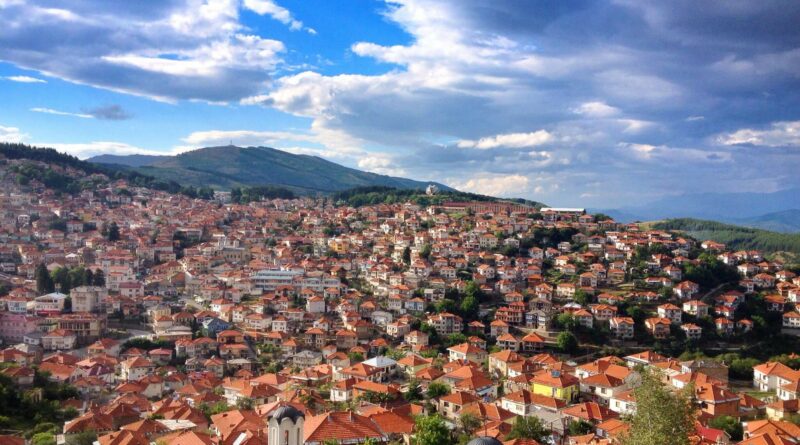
(169, 50)
(495, 185)
(25, 79)
(510, 140)
(381, 163)
(12, 134)
(779, 134)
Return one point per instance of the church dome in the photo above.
(484, 440)
(287, 411)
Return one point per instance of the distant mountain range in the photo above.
(777, 211)
(230, 166)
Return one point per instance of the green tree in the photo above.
(730, 425)
(469, 423)
(528, 427)
(82, 438)
(581, 297)
(580, 427)
(425, 251)
(472, 289)
(414, 392)
(431, 430)
(567, 342)
(61, 278)
(437, 389)
(43, 439)
(663, 417)
(113, 232)
(469, 307)
(407, 255)
(245, 403)
(99, 278)
(44, 282)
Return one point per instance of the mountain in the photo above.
(735, 237)
(127, 161)
(786, 221)
(230, 166)
(764, 210)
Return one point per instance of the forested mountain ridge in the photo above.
(735, 237)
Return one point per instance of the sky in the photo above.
(572, 103)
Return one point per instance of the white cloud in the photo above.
(89, 149)
(596, 109)
(495, 185)
(243, 137)
(25, 79)
(509, 140)
(61, 113)
(239, 51)
(12, 134)
(380, 163)
(664, 153)
(635, 125)
(171, 50)
(779, 134)
(277, 12)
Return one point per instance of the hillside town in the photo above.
(143, 317)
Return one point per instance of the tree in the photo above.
(43, 439)
(245, 403)
(355, 357)
(472, 289)
(407, 255)
(61, 278)
(82, 438)
(566, 321)
(113, 232)
(468, 423)
(567, 342)
(431, 430)
(662, 417)
(581, 297)
(580, 427)
(469, 307)
(425, 251)
(528, 427)
(44, 282)
(414, 392)
(728, 424)
(437, 389)
(99, 278)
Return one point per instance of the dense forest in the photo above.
(734, 237)
(372, 195)
(243, 195)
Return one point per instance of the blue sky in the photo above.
(590, 103)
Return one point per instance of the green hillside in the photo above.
(735, 237)
(361, 196)
(230, 166)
